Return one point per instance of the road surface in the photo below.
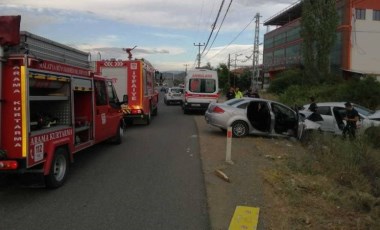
(153, 180)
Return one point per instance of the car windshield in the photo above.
(363, 110)
(233, 101)
(176, 90)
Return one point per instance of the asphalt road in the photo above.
(153, 180)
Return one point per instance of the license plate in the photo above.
(196, 105)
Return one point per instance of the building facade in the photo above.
(356, 51)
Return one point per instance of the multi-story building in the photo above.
(356, 51)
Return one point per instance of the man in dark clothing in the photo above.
(252, 93)
(315, 116)
(230, 94)
(313, 105)
(352, 116)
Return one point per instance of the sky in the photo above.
(165, 32)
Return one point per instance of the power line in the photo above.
(234, 38)
(213, 26)
(220, 26)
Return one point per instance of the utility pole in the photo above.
(199, 53)
(255, 64)
(229, 70)
(186, 65)
(236, 55)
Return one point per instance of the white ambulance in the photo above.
(201, 89)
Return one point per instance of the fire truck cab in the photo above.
(52, 106)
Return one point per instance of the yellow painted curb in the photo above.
(245, 218)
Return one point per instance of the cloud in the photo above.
(164, 30)
(157, 13)
(163, 35)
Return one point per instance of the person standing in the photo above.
(313, 105)
(352, 116)
(252, 93)
(255, 94)
(238, 93)
(230, 94)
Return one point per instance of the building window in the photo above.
(376, 15)
(360, 14)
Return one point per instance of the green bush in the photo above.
(373, 135)
(284, 80)
(363, 92)
(300, 95)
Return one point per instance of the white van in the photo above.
(201, 89)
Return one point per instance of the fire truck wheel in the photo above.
(58, 170)
(155, 111)
(148, 118)
(119, 136)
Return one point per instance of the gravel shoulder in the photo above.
(246, 184)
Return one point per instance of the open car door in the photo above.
(259, 116)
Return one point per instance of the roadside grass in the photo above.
(329, 183)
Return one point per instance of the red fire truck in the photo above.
(52, 105)
(135, 78)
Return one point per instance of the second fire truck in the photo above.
(135, 78)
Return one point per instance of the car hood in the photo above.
(311, 124)
(375, 116)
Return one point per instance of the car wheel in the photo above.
(184, 109)
(58, 170)
(239, 129)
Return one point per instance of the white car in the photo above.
(258, 116)
(333, 113)
(173, 95)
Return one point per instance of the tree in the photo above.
(223, 76)
(318, 29)
(207, 66)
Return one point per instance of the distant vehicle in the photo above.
(201, 89)
(164, 89)
(173, 95)
(258, 116)
(334, 112)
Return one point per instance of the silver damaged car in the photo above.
(258, 116)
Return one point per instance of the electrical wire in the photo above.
(220, 26)
(213, 26)
(234, 38)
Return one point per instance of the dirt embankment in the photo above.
(328, 184)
